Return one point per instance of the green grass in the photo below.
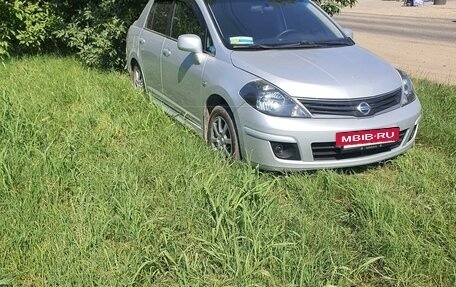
(99, 187)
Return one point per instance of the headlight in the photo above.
(270, 100)
(408, 92)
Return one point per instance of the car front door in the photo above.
(182, 75)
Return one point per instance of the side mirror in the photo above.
(191, 43)
(348, 32)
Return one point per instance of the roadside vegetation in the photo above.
(94, 31)
(98, 187)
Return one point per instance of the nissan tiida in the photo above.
(276, 82)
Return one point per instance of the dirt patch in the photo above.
(422, 59)
(433, 60)
(396, 8)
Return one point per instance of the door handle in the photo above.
(166, 52)
(142, 41)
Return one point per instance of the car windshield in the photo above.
(264, 24)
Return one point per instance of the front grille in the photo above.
(350, 107)
(329, 150)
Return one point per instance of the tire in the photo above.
(221, 133)
(137, 78)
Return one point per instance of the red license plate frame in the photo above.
(367, 137)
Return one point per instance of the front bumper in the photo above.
(258, 130)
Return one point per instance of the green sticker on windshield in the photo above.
(241, 40)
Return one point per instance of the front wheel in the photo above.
(221, 133)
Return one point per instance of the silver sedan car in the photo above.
(275, 82)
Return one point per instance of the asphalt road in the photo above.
(418, 40)
(418, 28)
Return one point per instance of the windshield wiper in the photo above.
(335, 43)
(300, 44)
(317, 44)
(303, 44)
(254, 46)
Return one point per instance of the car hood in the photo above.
(333, 73)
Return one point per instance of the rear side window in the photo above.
(159, 16)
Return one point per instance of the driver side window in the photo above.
(185, 21)
(188, 19)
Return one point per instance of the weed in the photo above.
(99, 187)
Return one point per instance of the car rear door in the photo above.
(151, 42)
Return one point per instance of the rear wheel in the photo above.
(137, 78)
(221, 133)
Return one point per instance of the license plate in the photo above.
(367, 137)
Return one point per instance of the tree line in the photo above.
(94, 30)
